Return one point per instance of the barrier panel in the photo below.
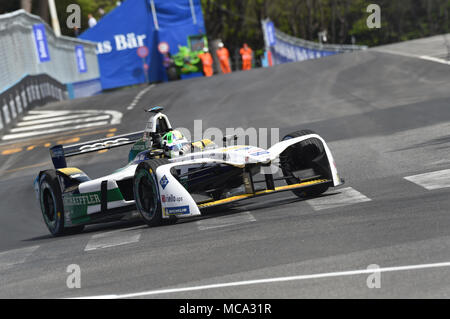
(29, 46)
(284, 48)
(29, 92)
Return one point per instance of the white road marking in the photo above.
(59, 123)
(14, 257)
(273, 280)
(433, 59)
(50, 122)
(52, 119)
(37, 133)
(347, 196)
(138, 97)
(225, 221)
(36, 115)
(114, 238)
(409, 55)
(433, 180)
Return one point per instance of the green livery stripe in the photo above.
(76, 205)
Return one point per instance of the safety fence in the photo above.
(29, 92)
(29, 46)
(34, 59)
(285, 48)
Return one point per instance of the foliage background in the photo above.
(238, 21)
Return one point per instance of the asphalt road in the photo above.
(386, 117)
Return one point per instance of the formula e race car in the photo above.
(168, 177)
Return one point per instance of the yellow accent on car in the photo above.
(264, 192)
(70, 171)
(202, 144)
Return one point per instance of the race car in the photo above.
(168, 177)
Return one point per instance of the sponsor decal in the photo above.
(75, 200)
(171, 198)
(180, 210)
(81, 59)
(164, 181)
(40, 39)
(259, 153)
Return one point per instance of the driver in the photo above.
(175, 144)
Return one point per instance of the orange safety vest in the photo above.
(207, 62)
(246, 53)
(224, 56)
(246, 58)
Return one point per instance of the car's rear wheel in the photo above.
(146, 192)
(52, 206)
(303, 156)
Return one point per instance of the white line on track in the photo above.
(433, 180)
(71, 128)
(409, 55)
(433, 59)
(35, 115)
(16, 256)
(138, 97)
(26, 122)
(225, 221)
(347, 196)
(59, 123)
(113, 238)
(272, 280)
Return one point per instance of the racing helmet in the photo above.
(175, 143)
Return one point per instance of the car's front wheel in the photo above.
(303, 156)
(146, 192)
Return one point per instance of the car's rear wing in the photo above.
(59, 153)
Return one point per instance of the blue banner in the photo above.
(270, 33)
(40, 40)
(133, 24)
(81, 59)
(284, 52)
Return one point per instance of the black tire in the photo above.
(146, 193)
(301, 156)
(52, 207)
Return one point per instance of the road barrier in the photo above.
(36, 65)
(285, 48)
(29, 92)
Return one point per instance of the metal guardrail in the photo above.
(341, 48)
(18, 54)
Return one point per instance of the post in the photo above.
(155, 17)
(194, 17)
(54, 17)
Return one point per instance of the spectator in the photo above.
(224, 58)
(247, 57)
(207, 62)
(92, 22)
(76, 31)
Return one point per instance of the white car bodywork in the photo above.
(174, 197)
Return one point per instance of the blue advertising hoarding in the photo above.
(40, 40)
(270, 33)
(285, 50)
(133, 24)
(81, 59)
